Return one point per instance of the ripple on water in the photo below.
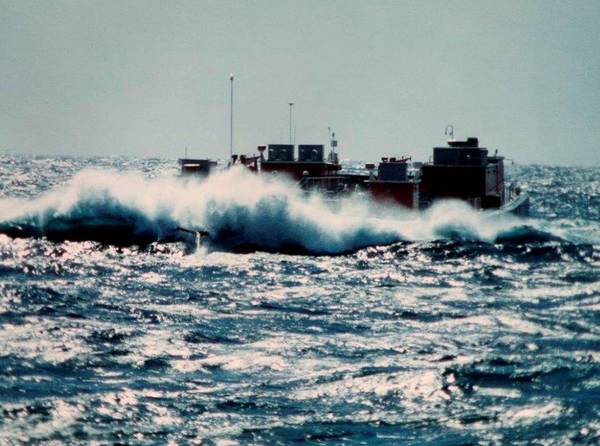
(444, 341)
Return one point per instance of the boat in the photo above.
(462, 170)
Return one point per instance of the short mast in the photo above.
(333, 143)
(291, 104)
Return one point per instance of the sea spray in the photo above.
(238, 209)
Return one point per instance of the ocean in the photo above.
(297, 320)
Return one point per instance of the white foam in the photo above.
(270, 213)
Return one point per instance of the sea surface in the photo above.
(296, 320)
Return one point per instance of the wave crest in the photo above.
(241, 211)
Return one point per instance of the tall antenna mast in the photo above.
(231, 117)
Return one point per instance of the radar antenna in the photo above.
(449, 131)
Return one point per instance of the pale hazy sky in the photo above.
(147, 78)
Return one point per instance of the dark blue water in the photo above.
(447, 327)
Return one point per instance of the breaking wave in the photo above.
(241, 211)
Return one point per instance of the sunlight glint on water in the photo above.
(441, 327)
